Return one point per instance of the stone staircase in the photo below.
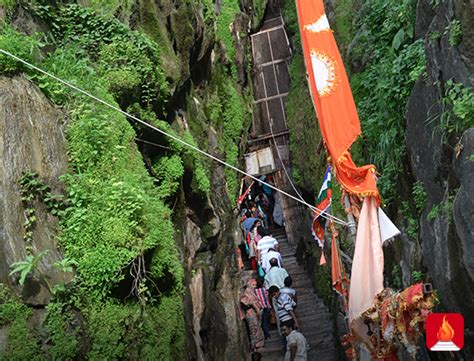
(313, 316)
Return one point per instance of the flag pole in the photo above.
(350, 217)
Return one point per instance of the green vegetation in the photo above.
(30, 264)
(434, 212)
(112, 213)
(305, 137)
(228, 113)
(411, 218)
(233, 117)
(381, 90)
(111, 7)
(224, 23)
(455, 32)
(417, 276)
(31, 189)
(419, 196)
(458, 102)
(8, 4)
(343, 27)
(445, 207)
(115, 220)
(64, 337)
(21, 343)
(22, 46)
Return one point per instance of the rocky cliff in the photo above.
(146, 225)
(441, 149)
(32, 140)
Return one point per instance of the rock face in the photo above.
(213, 324)
(443, 165)
(32, 140)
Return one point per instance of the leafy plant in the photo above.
(63, 336)
(455, 32)
(22, 46)
(224, 23)
(434, 212)
(65, 265)
(419, 196)
(382, 88)
(412, 221)
(32, 188)
(434, 35)
(27, 266)
(417, 276)
(8, 4)
(458, 102)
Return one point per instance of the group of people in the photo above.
(263, 203)
(270, 294)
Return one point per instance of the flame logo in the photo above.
(445, 332)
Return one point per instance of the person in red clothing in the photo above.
(264, 301)
(251, 308)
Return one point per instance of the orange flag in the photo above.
(332, 98)
(339, 279)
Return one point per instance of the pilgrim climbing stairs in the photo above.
(313, 315)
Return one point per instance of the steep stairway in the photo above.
(313, 316)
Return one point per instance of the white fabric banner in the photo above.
(387, 228)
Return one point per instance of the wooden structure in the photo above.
(271, 53)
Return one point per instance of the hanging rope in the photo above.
(138, 120)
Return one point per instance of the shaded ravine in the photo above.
(313, 315)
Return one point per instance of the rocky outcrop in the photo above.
(205, 226)
(442, 164)
(209, 238)
(32, 140)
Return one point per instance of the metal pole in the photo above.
(350, 217)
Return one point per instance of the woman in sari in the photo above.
(253, 312)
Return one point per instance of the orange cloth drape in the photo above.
(339, 279)
(332, 97)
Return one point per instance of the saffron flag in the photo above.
(332, 97)
(323, 204)
(340, 283)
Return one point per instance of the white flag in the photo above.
(387, 228)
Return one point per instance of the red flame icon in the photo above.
(445, 332)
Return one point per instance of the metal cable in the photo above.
(323, 213)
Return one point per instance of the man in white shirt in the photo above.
(265, 260)
(265, 243)
(296, 345)
(276, 275)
